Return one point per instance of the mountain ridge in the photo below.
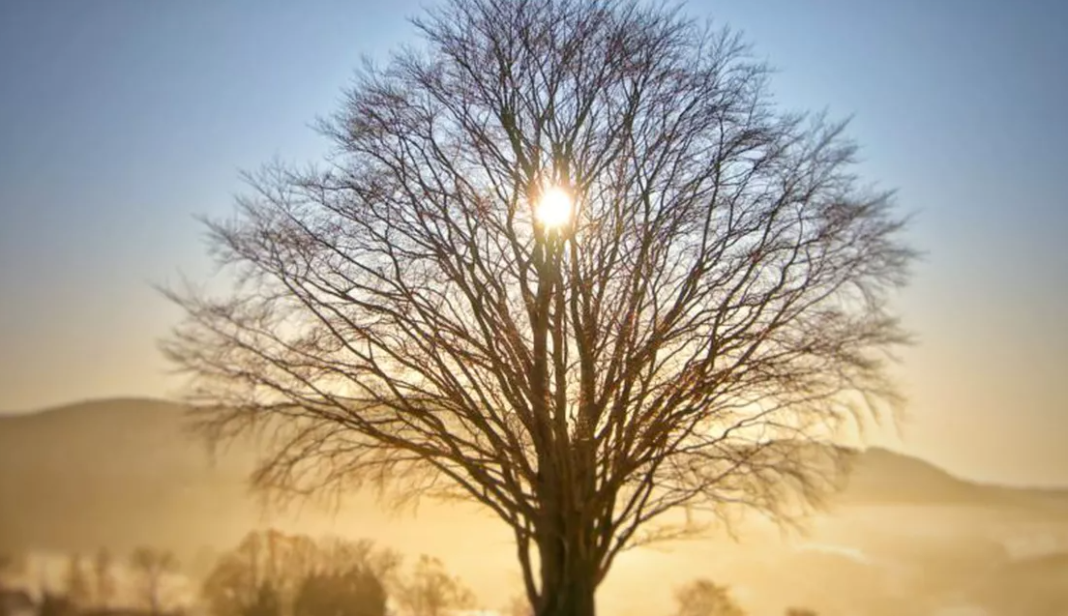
(138, 404)
(135, 476)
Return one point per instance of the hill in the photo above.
(123, 473)
(887, 477)
(115, 473)
(131, 474)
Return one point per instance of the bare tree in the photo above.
(266, 603)
(8, 568)
(265, 564)
(569, 262)
(103, 578)
(704, 597)
(269, 567)
(76, 583)
(431, 591)
(152, 567)
(358, 591)
(55, 604)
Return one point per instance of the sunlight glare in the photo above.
(554, 207)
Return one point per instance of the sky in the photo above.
(123, 120)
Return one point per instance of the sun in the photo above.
(554, 208)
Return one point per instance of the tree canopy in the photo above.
(707, 302)
(703, 597)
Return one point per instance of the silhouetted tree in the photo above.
(569, 262)
(705, 598)
(152, 566)
(342, 556)
(76, 583)
(234, 584)
(266, 603)
(431, 591)
(7, 568)
(356, 592)
(54, 604)
(12, 565)
(286, 563)
(103, 578)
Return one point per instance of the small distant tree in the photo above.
(12, 565)
(705, 598)
(294, 566)
(77, 583)
(343, 556)
(152, 566)
(356, 592)
(7, 566)
(235, 583)
(266, 603)
(103, 578)
(431, 591)
(55, 604)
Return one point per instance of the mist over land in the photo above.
(903, 537)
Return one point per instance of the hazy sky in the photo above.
(121, 119)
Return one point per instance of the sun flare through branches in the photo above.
(570, 263)
(554, 208)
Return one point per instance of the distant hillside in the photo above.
(123, 472)
(116, 473)
(881, 476)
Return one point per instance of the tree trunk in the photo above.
(568, 569)
(570, 594)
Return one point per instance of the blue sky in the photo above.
(122, 119)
